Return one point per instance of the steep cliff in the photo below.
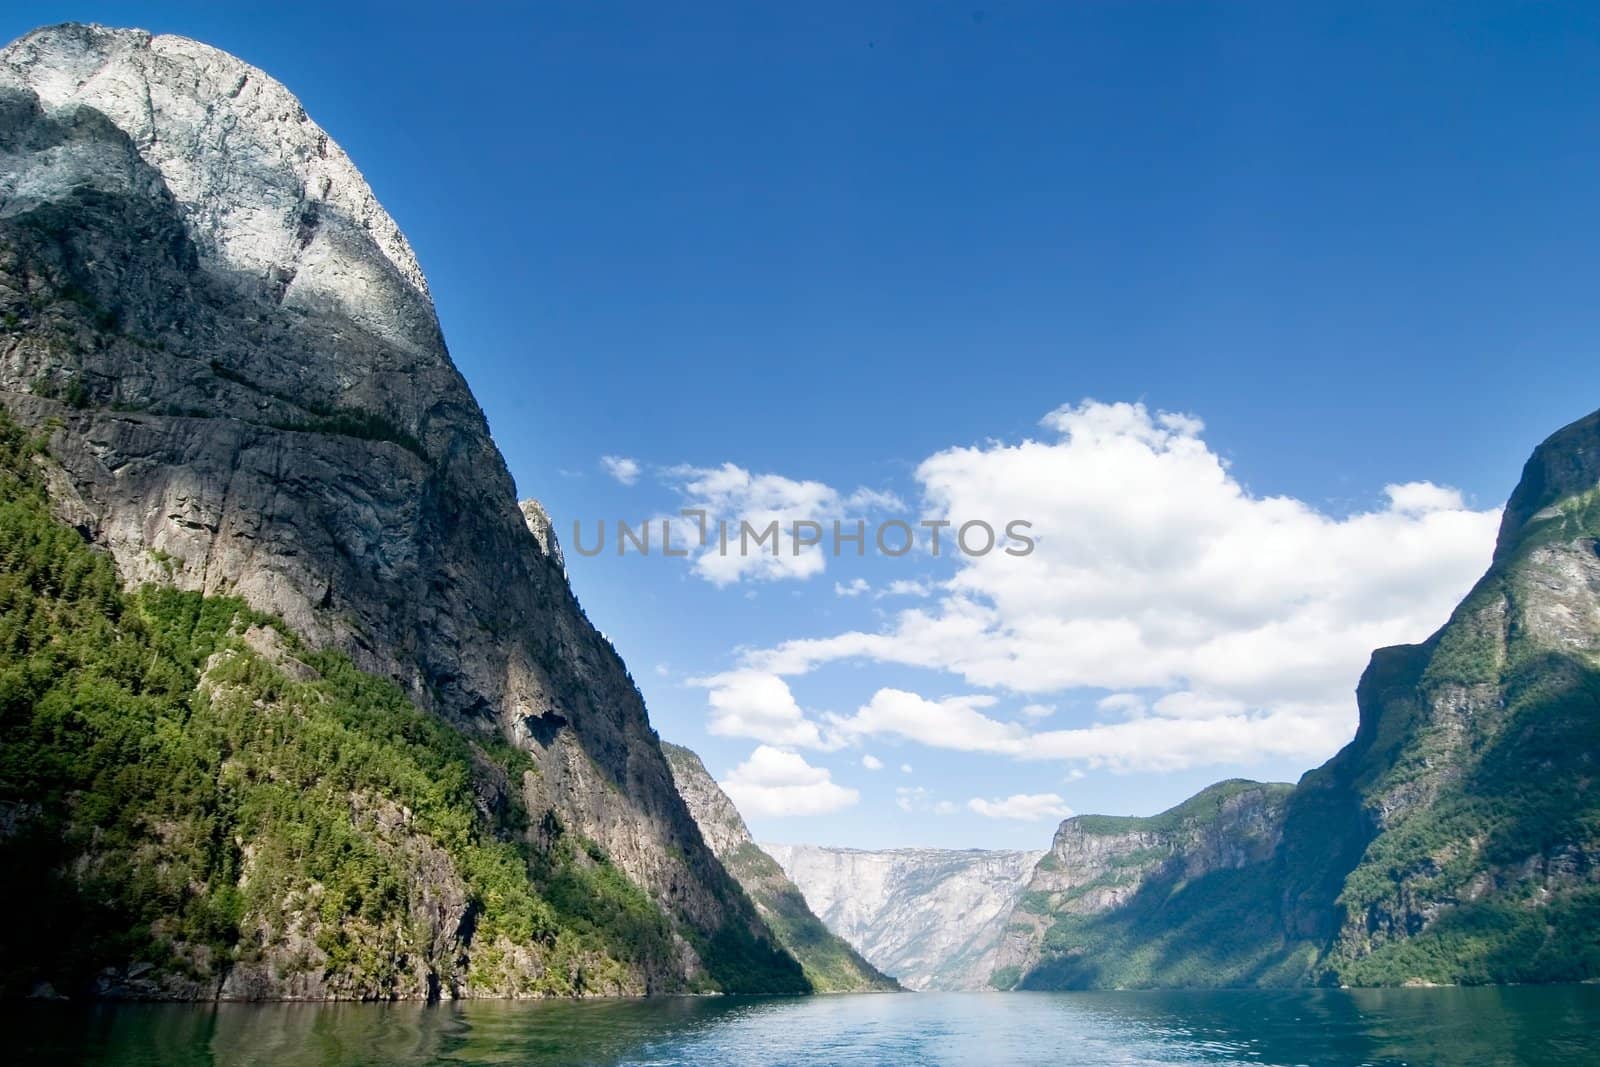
(931, 917)
(1456, 839)
(1097, 908)
(1467, 804)
(831, 965)
(231, 352)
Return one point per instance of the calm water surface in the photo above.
(1400, 1026)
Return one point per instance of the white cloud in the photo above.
(1243, 621)
(732, 498)
(1187, 705)
(758, 705)
(954, 722)
(855, 587)
(622, 468)
(874, 500)
(1155, 743)
(1417, 498)
(1180, 730)
(1038, 711)
(918, 799)
(1029, 807)
(871, 762)
(773, 782)
(1126, 705)
(905, 587)
(905, 768)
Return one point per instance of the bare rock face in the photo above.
(933, 918)
(831, 964)
(264, 193)
(248, 393)
(720, 822)
(543, 530)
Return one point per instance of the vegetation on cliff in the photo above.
(1128, 902)
(189, 795)
(1456, 839)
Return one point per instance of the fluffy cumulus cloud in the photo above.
(1419, 498)
(758, 705)
(1028, 807)
(954, 722)
(774, 782)
(1159, 744)
(622, 468)
(744, 505)
(1179, 730)
(871, 762)
(1228, 626)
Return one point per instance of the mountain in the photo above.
(831, 965)
(295, 701)
(1456, 839)
(933, 918)
(1105, 870)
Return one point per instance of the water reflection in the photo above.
(1314, 1027)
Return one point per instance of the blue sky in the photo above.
(873, 246)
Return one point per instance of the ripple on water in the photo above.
(1527, 1025)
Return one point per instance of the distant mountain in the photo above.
(294, 700)
(831, 965)
(1456, 839)
(1103, 870)
(933, 918)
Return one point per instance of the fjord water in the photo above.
(1507, 1025)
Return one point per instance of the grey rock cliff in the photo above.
(720, 822)
(933, 918)
(543, 530)
(248, 393)
(830, 963)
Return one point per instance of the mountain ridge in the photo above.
(831, 964)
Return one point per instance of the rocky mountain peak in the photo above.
(543, 530)
(720, 822)
(266, 193)
(1566, 464)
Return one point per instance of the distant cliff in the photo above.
(1456, 839)
(226, 380)
(1100, 867)
(933, 918)
(831, 965)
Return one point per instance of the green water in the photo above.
(1528, 1025)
